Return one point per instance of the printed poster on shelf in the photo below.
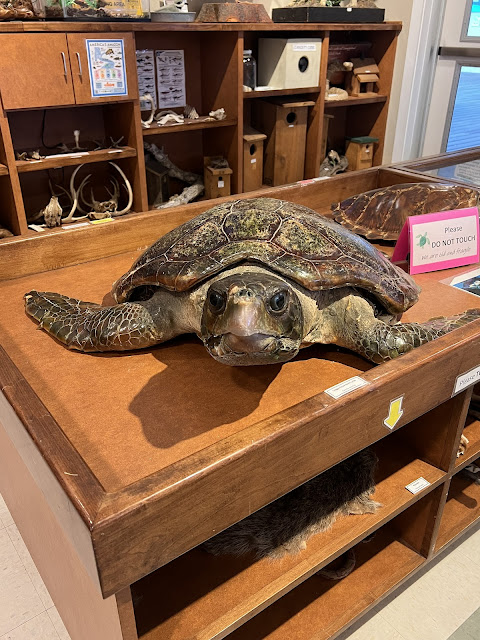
(170, 78)
(146, 76)
(106, 65)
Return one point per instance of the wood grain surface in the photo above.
(159, 444)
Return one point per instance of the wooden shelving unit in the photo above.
(66, 94)
(278, 92)
(67, 160)
(243, 587)
(319, 608)
(472, 432)
(188, 125)
(461, 510)
(351, 102)
(169, 470)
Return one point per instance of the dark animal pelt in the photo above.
(285, 525)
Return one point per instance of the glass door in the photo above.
(453, 120)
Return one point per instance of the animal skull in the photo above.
(99, 210)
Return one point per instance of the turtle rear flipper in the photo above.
(381, 342)
(90, 327)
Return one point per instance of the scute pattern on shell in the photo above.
(380, 214)
(290, 239)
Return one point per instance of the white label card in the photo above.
(347, 386)
(418, 485)
(466, 380)
(311, 46)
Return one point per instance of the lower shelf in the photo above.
(472, 432)
(320, 607)
(461, 509)
(206, 597)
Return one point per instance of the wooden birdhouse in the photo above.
(359, 152)
(284, 120)
(216, 177)
(252, 159)
(363, 78)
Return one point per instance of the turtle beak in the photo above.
(243, 314)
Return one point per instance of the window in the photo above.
(471, 23)
(464, 128)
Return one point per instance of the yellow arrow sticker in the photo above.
(395, 413)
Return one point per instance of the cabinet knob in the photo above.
(64, 66)
(80, 72)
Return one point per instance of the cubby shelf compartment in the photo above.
(319, 608)
(74, 159)
(472, 433)
(350, 102)
(189, 125)
(461, 509)
(278, 92)
(3, 170)
(217, 594)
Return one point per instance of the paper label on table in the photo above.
(106, 66)
(347, 386)
(417, 485)
(469, 171)
(439, 240)
(170, 78)
(305, 46)
(395, 412)
(76, 226)
(466, 380)
(146, 76)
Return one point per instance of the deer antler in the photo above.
(74, 196)
(128, 186)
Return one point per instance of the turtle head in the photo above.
(252, 318)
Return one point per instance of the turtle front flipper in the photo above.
(91, 327)
(381, 342)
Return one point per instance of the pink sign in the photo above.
(439, 240)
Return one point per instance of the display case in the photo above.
(457, 166)
(126, 478)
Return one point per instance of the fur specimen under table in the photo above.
(285, 525)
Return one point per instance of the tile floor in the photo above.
(437, 603)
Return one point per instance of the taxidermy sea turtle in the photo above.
(380, 214)
(256, 280)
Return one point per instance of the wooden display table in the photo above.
(116, 467)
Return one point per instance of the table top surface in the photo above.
(130, 415)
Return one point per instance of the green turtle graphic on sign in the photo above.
(423, 240)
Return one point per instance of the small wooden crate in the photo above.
(285, 123)
(217, 181)
(252, 159)
(359, 152)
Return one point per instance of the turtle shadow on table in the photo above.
(194, 393)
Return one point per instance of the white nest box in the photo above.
(289, 63)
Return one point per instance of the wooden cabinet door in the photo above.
(35, 70)
(83, 72)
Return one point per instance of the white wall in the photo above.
(395, 10)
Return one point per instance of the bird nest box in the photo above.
(362, 80)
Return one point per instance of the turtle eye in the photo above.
(278, 301)
(217, 301)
